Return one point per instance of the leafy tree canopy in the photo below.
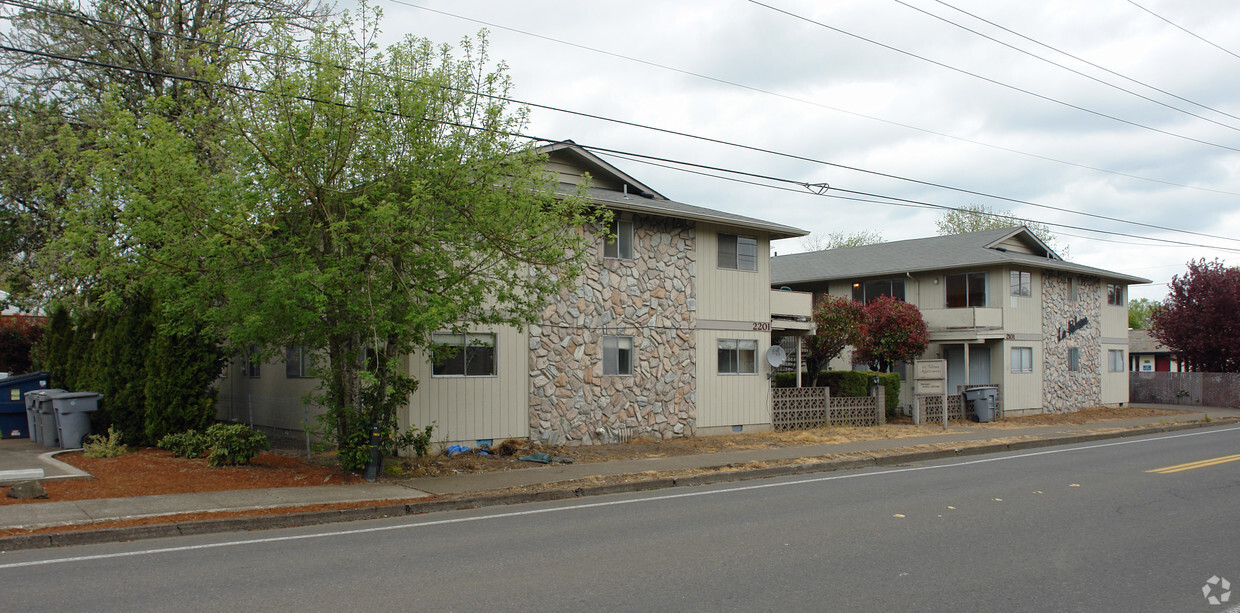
(1140, 312)
(978, 217)
(837, 240)
(838, 321)
(1198, 319)
(891, 331)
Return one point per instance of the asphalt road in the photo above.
(1082, 528)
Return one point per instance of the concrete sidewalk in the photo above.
(486, 488)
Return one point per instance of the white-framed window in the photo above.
(617, 355)
(463, 355)
(252, 365)
(1022, 283)
(738, 356)
(296, 363)
(1115, 294)
(868, 291)
(1022, 359)
(738, 252)
(619, 245)
(1074, 359)
(966, 289)
(1115, 360)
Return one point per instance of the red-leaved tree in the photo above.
(891, 331)
(838, 321)
(1200, 318)
(18, 334)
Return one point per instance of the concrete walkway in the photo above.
(477, 489)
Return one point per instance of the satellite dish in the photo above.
(775, 356)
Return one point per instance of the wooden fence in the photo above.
(799, 408)
(1209, 389)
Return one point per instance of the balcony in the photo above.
(964, 323)
(792, 310)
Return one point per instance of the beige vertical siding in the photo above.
(1022, 392)
(1021, 315)
(472, 408)
(730, 400)
(733, 295)
(1114, 318)
(1114, 384)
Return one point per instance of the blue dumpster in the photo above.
(14, 419)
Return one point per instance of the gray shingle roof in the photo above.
(669, 208)
(957, 251)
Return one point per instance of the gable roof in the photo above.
(636, 197)
(1015, 246)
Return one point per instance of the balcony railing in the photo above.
(972, 318)
(786, 304)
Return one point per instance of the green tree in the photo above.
(838, 321)
(978, 217)
(358, 212)
(837, 240)
(1140, 313)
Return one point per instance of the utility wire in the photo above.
(890, 200)
(993, 81)
(1058, 65)
(1085, 61)
(673, 133)
(1186, 30)
(743, 173)
(722, 81)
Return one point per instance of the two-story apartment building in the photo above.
(1002, 308)
(662, 336)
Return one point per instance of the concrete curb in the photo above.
(383, 509)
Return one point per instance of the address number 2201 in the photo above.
(762, 326)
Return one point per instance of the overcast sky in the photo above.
(737, 71)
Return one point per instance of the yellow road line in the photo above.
(1199, 464)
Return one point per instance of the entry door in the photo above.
(979, 366)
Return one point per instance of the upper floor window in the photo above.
(966, 290)
(251, 366)
(738, 252)
(870, 290)
(296, 362)
(1074, 289)
(1115, 294)
(617, 355)
(1022, 283)
(619, 244)
(464, 355)
(738, 357)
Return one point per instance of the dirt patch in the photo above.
(149, 472)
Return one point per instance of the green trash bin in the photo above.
(73, 411)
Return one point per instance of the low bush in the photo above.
(221, 444)
(100, 446)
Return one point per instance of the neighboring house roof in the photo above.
(1141, 341)
(999, 247)
(636, 197)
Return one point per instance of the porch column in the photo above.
(967, 380)
(799, 338)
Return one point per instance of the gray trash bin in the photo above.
(44, 424)
(73, 411)
(982, 399)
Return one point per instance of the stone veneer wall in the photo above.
(1064, 391)
(652, 299)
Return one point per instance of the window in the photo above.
(738, 252)
(738, 357)
(1022, 283)
(296, 362)
(1022, 359)
(251, 366)
(1074, 289)
(966, 290)
(1115, 360)
(463, 355)
(1115, 294)
(617, 355)
(1074, 359)
(870, 290)
(620, 244)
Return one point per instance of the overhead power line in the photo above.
(1085, 61)
(751, 88)
(1057, 64)
(772, 152)
(1187, 31)
(993, 81)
